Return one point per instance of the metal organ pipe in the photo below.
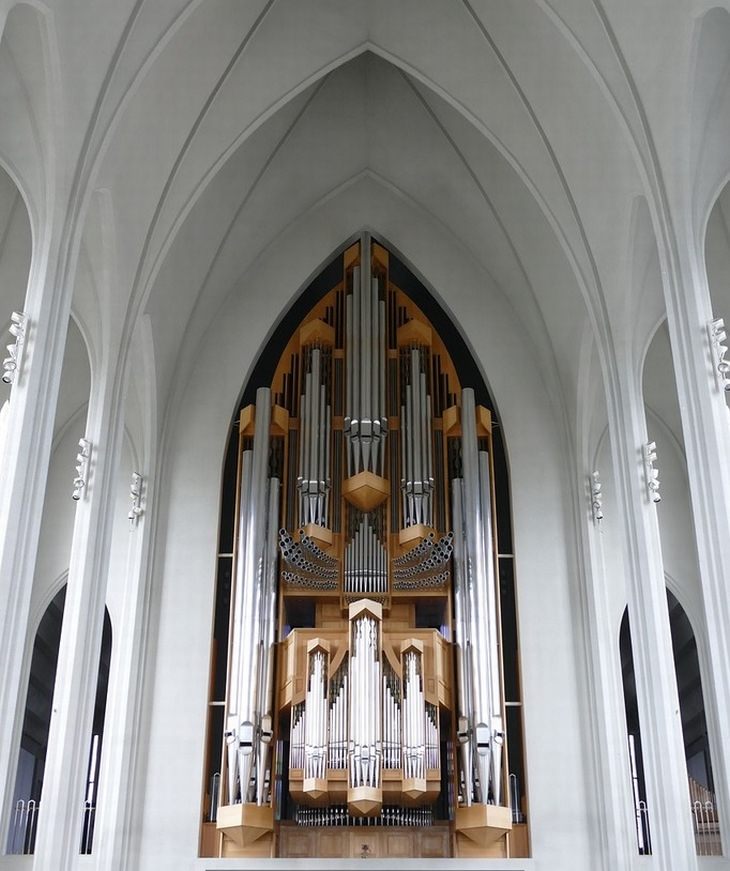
(365, 746)
(313, 480)
(414, 717)
(233, 720)
(243, 724)
(462, 652)
(268, 635)
(487, 720)
(417, 447)
(365, 422)
(315, 717)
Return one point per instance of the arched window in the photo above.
(701, 795)
(36, 723)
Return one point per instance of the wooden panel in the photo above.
(261, 848)
(364, 842)
(398, 844)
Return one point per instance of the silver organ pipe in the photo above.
(414, 717)
(391, 718)
(268, 637)
(417, 482)
(462, 651)
(315, 717)
(366, 422)
(338, 718)
(365, 746)
(487, 718)
(243, 723)
(313, 481)
(296, 736)
(237, 632)
(495, 700)
(432, 737)
(366, 561)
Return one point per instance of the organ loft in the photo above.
(364, 710)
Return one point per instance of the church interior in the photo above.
(364, 470)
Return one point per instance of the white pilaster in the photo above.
(611, 752)
(665, 768)
(60, 820)
(706, 430)
(23, 474)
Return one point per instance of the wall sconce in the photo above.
(11, 364)
(652, 474)
(596, 497)
(82, 469)
(135, 494)
(718, 349)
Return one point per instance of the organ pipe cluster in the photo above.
(365, 738)
(416, 447)
(368, 711)
(315, 706)
(366, 422)
(315, 426)
(249, 702)
(366, 562)
(481, 728)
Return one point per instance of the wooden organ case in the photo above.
(364, 711)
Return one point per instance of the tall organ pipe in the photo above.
(237, 629)
(365, 422)
(268, 633)
(315, 724)
(313, 480)
(487, 721)
(495, 701)
(251, 578)
(462, 652)
(417, 447)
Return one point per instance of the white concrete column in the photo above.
(615, 801)
(60, 820)
(706, 430)
(23, 473)
(662, 744)
(122, 729)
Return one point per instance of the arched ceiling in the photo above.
(524, 130)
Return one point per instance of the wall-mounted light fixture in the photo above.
(11, 364)
(135, 494)
(718, 349)
(82, 469)
(651, 473)
(596, 497)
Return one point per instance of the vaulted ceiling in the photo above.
(178, 142)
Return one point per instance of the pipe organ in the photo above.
(364, 664)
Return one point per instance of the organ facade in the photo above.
(364, 709)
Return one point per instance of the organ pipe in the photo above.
(417, 482)
(365, 747)
(313, 480)
(366, 422)
(487, 727)
(243, 724)
(315, 717)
